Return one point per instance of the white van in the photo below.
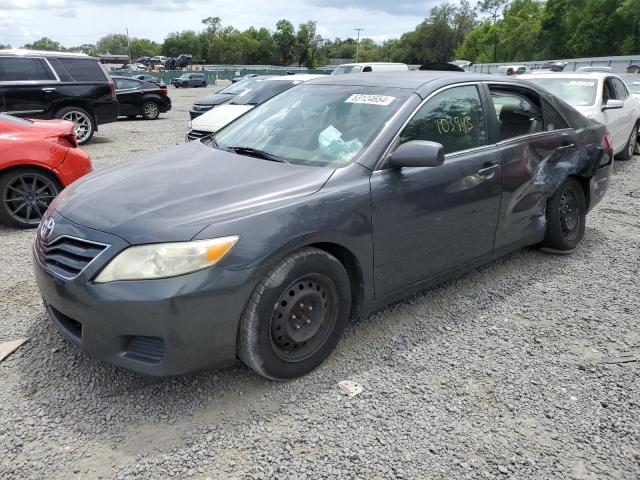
(370, 67)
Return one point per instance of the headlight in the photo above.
(161, 260)
(189, 124)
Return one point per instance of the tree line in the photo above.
(489, 31)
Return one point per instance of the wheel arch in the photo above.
(31, 166)
(354, 270)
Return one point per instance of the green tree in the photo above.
(45, 43)
(114, 43)
(176, 43)
(88, 48)
(286, 42)
(144, 46)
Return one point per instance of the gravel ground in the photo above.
(504, 373)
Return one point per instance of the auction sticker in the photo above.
(383, 100)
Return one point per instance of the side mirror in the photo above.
(612, 104)
(417, 153)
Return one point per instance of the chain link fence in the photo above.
(617, 64)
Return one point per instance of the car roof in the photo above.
(576, 75)
(298, 76)
(416, 80)
(41, 53)
(362, 64)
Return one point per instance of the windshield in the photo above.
(241, 86)
(16, 120)
(323, 125)
(633, 84)
(262, 91)
(576, 92)
(346, 69)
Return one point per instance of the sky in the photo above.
(74, 22)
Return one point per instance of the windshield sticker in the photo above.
(454, 124)
(383, 100)
(581, 83)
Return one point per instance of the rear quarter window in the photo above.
(81, 70)
(15, 69)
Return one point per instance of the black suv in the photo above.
(57, 85)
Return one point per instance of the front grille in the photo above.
(145, 349)
(202, 108)
(197, 134)
(65, 256)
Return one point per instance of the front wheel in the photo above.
(26, 195)
(566, 217)
(205, 84)
(295, 316)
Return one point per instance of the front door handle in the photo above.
(49, 89)
(488, 169)
(566, 148)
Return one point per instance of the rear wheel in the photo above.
(631, 146)
(150, 110)
(566, 217)
(84, 124)
(26, 195)
(295, 316)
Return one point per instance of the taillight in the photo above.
(69, 140)
(112, 87)
(164, 90)
(607, 142)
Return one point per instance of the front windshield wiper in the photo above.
(256, 153)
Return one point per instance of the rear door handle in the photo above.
(488, 169)
(566, 148)
(49, 89)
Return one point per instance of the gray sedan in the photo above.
(332, 199)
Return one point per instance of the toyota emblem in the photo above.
(47, 228)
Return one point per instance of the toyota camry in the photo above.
(330, 200)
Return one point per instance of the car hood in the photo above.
(215, 119)
(215, 99)
(173, 194)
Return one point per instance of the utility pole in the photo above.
(128, 46)
(358, 42)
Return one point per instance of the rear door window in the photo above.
(517, 113)
(83, 70)
(15, 69)
(125, 83)
(552, 119)
(453, 118)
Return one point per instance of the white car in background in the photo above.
(261, 91)
(603, 97)
(370, 67)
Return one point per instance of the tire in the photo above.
(16, 210)
(295, 316)
(84, 121)
(631, 145)
(150, 110)
(205, 85)
(566, 217)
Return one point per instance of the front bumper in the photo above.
(156, 327)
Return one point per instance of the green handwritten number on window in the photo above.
(450, 125)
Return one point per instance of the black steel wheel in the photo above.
(295, 315)
(26, 195)
(303, 316)
(566, 217)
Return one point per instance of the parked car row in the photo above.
(304, 200)
(74, 87)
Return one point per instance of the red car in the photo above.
(38, 158)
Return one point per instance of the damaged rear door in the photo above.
(539, 150)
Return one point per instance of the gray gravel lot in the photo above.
(502, 373)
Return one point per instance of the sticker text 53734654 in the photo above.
(383, 100)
